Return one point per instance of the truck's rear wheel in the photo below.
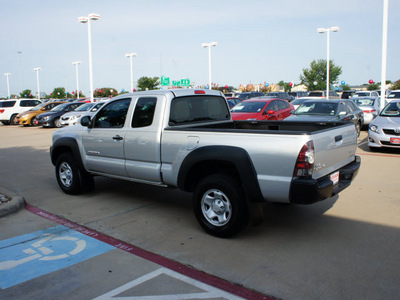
(70, 178)
(220, 205)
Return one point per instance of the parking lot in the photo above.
(345, 247)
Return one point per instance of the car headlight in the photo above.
(75, 117)
(373, 128)
(46, 118)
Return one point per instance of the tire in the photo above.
(220, 205)
(12, 119)
(57, 123)
(70, 178)
(358, 129)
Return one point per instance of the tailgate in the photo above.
(334, 148)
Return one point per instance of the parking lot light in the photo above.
(8, 85)
(209, 45)
(76, 63)
(37, 80)
(327, 30)
(88, 19)
(130, 56)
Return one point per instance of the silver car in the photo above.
(73, 117)
(371, 106)
(384, 131)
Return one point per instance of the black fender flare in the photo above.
(231, 155)
(66, 144)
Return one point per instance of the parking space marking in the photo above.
(196, 289)
(31, 255)
(177, 267)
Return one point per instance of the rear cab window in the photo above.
(193, 109)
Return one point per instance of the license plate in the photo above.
(395, 140)
(335, 177)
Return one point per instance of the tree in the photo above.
(26, 94)
(286, 85)
(105, 92)
(147, 83)
(373, 86)
(396, 85)
(346, 87)
(314, 78)
(58, 93)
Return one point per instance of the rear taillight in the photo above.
(369, 111)
(305, 161)
(197, 92)
(1, 111)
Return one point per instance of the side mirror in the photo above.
(44, 109)
(271, 112)
(85, 121)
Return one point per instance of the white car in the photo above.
(9, 109)
(297, 102)
(384, 131)
(74, 117)
(373, 94)
(370, 106)
(393, 95)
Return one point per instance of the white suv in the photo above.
(9, 109)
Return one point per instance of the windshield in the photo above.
(198, 108)
(85, 107)
(317, 108)
(364, 101)
(316, 94)
(394, 95)
(391, 110)
(60, 107)
(248, 107)
(37, 107)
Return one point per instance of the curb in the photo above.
(15, 203)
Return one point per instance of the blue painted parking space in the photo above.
(28, 256)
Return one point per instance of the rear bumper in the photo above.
(307, 191)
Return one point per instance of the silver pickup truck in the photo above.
(185, 138)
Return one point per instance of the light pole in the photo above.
(327, 30)
(20, 69)
(76, 63)
(209, 45)
(8, 85)
(88, 19)
(130, 55)
(37, 79)
(384, 51)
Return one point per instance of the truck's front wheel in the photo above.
(220, 205)
(70, 178)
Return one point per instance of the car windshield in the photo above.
(85, 107)
(364, 102)
(248, 107)
(394, 95)
(317, 108)
(60, 107)
(391, 110)
(37, 107)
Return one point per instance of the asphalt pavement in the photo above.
(145, 241)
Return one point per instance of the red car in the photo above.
(262, 109)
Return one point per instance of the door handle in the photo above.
(117, 138)
(338, 138)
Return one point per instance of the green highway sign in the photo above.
(164, 80)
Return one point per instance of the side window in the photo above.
(272, 106)
(112, 115)
(25, 103)
(144, 112)
(282, 105)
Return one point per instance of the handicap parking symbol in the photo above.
(42, 252)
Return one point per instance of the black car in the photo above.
(280, 95)
(347, 94)
(329, 111)
(248, 95)
(52, 118)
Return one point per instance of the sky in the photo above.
(259, 41)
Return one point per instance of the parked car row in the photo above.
(33, 112)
